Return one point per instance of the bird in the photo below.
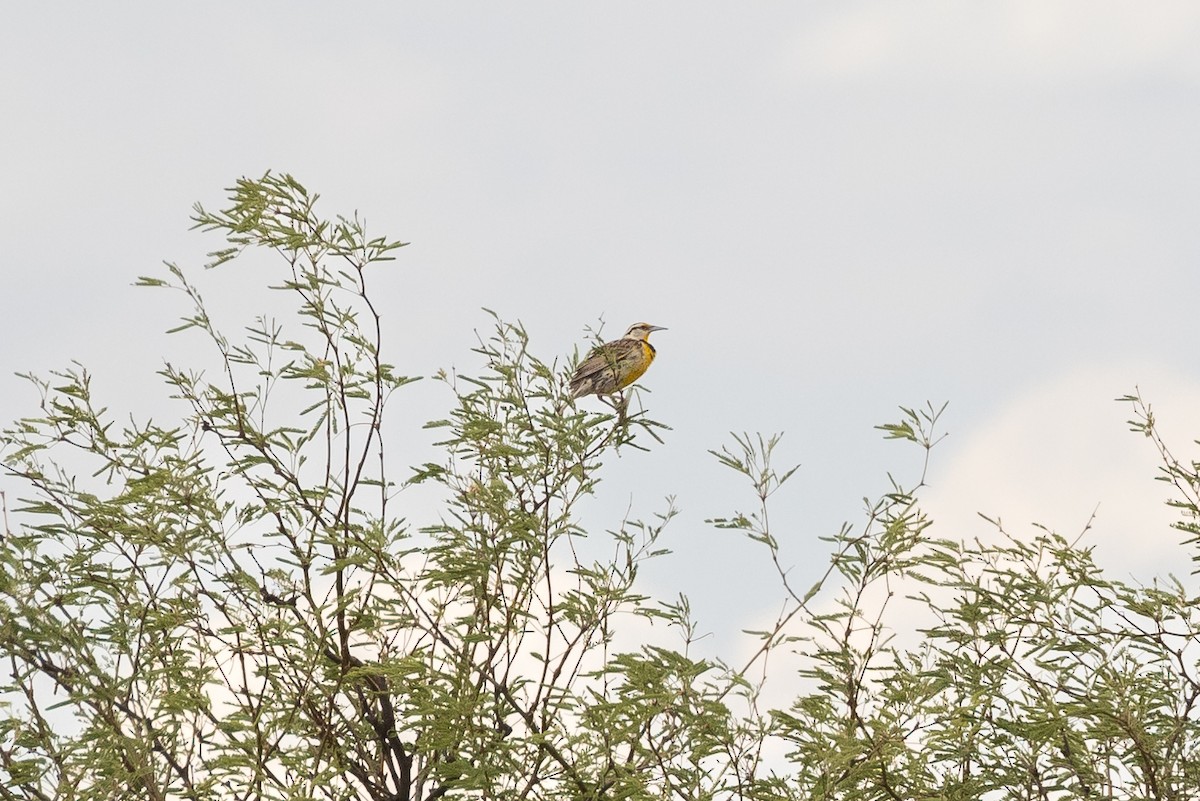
(615, 365)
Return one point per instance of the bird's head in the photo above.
(642, 331)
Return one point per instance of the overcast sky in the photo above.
(836, 208)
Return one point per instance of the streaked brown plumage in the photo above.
(615, 365)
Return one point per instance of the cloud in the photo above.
(1062, 450)
(1024, 41)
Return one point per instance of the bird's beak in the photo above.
(657, 328)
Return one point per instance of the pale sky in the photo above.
(837, 208)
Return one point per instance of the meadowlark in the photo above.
(617, 364)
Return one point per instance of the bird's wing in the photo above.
(606, 357)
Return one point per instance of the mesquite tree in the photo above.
(236, 606)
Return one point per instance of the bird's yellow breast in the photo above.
(645, 355)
